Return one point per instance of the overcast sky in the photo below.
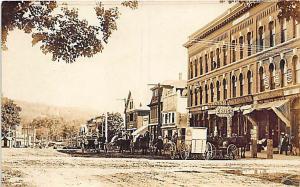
(146, 48)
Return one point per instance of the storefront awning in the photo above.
(280, 108)
(140, 130)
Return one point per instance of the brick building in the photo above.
(244, 75)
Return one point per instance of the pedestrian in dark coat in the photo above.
(159, 145)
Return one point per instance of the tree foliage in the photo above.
(62, 34)
(53, 128)
(287, 9)
(10, 114)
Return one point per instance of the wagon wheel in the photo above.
(109, 147)
(184, 151)
(232, 152)
(210, 151)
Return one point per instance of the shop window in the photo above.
(272, 76)
(241, 81)
(241, 43)
(249, 81)
(233, 86)
(283, 30)
(249, 44)
(283, 81)
(218, 90)
(224, 89)
(261, 80)
(211, 92)
(260, 38)
(272, 33)
(296, 64)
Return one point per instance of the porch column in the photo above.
(229, 125)
(269, 138)
(254, 136)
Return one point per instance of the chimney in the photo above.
(180, 76)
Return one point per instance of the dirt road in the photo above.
(46, 167)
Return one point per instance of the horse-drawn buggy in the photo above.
(197, 145)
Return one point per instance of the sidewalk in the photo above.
(263, 155)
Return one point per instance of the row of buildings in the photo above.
(243, 79)
(165, 114)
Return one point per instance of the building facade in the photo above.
(174, 112)
(136, 114)
(244, 75)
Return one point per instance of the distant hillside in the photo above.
(33, 110)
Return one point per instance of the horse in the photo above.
(240, 142)
(124, 144)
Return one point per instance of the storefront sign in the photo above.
(269, 95)
(289, 75)
(240, 100)
(224, 111)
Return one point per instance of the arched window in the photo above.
(224, 89)
(249, 43)
(191, 97)
(212, 63)
(206, 63)
(261, 80)
(196, 68)
(249, 81)
(211, 92)
(260, 38)
(272, 76)
(224, 55)
(191, 70)
(283, 31)
(196, 96)
(218, 90)
(296, 64)
(201, 66)
(241, 43)
(233, 45)
(241, 81)
(283, 81)
(272, 33)
(218, 57)
(206, 94)
(233, 86)
(201, 96)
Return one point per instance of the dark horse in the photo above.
(124, 144)
(241, 142)
(145, 142)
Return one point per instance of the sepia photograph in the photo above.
(150, 93)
